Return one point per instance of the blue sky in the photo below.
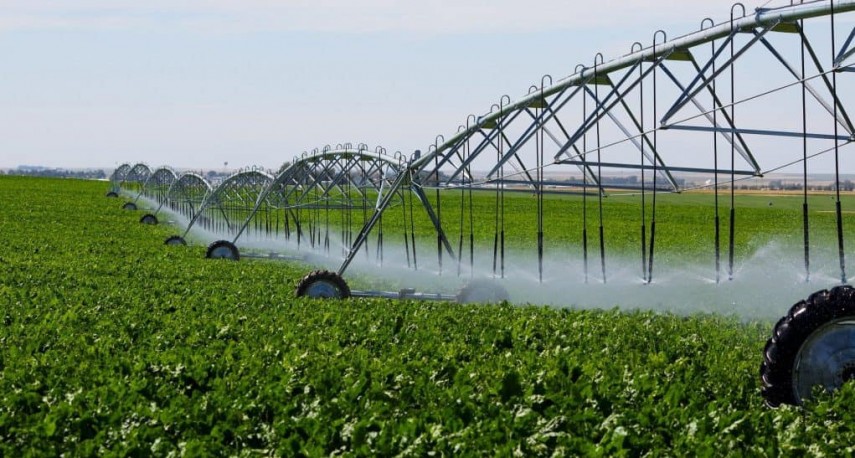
(194, 84)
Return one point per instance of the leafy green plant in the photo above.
(114, 344)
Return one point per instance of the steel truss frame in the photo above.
(228, 203)
(135, 179)
(341, 179)
(118, 176)
(156, 188)
(621, 115)
(187, 194)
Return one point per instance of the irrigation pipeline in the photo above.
(497, 126)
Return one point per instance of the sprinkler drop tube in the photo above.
(730, 252)
(644, 250)
(380, 241)
(840, 252)
(438, 216)
(407, 248)
(806, 240)
(462, 220)
(502, 239)
(413, 243)
(460, 253)
(439, 251)
(805, 160)
(327, 241)
(603, 251)
(495, 251)
(311, 234)
(717, 250)
(585, 252)
(471, 253)
(406, 237)
(540, 256)
(652, 245)
(413, 232)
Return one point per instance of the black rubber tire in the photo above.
(334, 286)
(790, 334)
(482, 292)
(112, 194)
(129, 206)
(223, 249)
(148, 218)
(175, 240)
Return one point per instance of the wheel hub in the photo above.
(221, 252)
(322, 289)
(826, 359)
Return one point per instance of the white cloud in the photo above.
(432, 17)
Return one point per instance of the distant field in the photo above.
(114, 344)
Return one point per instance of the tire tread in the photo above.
(791, 332)
(322, 275)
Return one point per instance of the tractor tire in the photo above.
(112, 194)
(175, 240)
(223, 249)
(148, 218)
(813, 345)
(482, 292)
(129, 206)
(323, 284)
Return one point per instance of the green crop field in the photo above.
(685, 222)
(114, 344)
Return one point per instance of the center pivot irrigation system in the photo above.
(765, 91)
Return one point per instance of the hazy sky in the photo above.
(255, 82)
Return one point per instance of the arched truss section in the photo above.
(341, 177)
(135, 180)
(118, 176)
(230, 202)
(324, 196)
(187, 194)
(669, 109)
(158, 184)
(608, 114)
